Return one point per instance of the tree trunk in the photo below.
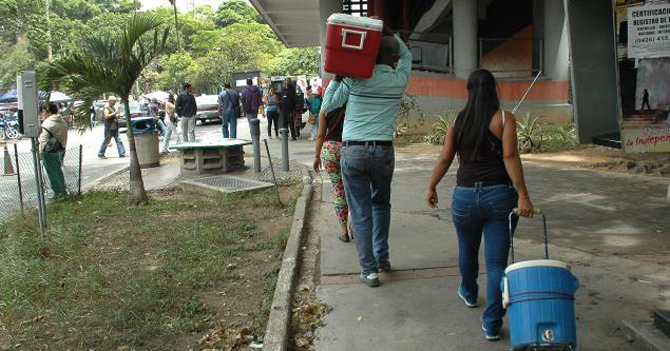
(136, 194)
(176, 23)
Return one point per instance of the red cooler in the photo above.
(352, 44)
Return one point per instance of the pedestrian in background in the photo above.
(489, 184)
(287, 108)
(328, 153)
(229, 108)
(314, 103)
(272, 100)
(368, 157)
(171, 124)
(53, 142)
(251, 100)
(186, 108)
(111, 115)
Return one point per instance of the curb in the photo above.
(276, 334)
(646, 334)
(102, 179)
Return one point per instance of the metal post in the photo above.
(41, 203)
(81, 152)
(284, 148)
(272, 170)
(18, 175)
(255, 128)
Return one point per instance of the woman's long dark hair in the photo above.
(473, 122)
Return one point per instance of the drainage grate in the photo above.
(226, 184)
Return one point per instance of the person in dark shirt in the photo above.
(288, 108)
(489, 185)
(186, 108)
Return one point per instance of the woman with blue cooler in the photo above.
(490, 184)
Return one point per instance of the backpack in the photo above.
(53, 145)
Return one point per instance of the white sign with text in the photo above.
(649, 31)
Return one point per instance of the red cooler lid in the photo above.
(354, 21)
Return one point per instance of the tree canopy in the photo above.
(214, 43)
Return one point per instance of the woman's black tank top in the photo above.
(488, 167)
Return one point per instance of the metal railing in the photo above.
(431, 52)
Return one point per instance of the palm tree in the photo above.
(111, 65)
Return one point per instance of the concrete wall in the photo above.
(438, 94)
(515, 57)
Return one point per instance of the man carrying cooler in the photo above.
(367, 150)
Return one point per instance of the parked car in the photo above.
(137, 109)
(208, 108)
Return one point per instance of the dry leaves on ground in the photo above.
(307, 316)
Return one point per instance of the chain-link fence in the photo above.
(61, 175)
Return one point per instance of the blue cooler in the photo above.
(539, 296)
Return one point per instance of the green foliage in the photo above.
(297, 61)
(527, 133)
(409, 110)
(541, 137)
(175, 70)
(440, 128)
(235, 11)
(18, 58)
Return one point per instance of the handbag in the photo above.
(312, 119)
(53, 145)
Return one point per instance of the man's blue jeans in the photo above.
(367, 173)
(108, 137)
(476, 210)
(229, 119)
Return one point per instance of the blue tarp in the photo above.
(12, 96)
(9, 97)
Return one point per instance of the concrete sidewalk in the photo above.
(612, 229)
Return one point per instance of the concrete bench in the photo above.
(199, 157)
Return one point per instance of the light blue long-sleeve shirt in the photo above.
(372, 104)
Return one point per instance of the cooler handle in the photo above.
(546, 236)
(346, 32)
(505, 292)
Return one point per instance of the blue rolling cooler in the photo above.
(539, 296)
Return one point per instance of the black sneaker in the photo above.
(122, 156)
(384, 266)
(102, 157)
(371, 280)
(490, 335)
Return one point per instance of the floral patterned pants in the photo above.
(330, 157)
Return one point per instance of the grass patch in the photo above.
(151, 277)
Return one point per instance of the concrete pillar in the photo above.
(465, 37)
(326, 8)
(556, 45)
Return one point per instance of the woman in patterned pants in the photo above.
(328, 154)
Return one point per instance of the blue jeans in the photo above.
(108, 137)
(367, 172)
(484, 209)
(229, 118)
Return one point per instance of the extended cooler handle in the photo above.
(511, 233)
(346, 32)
